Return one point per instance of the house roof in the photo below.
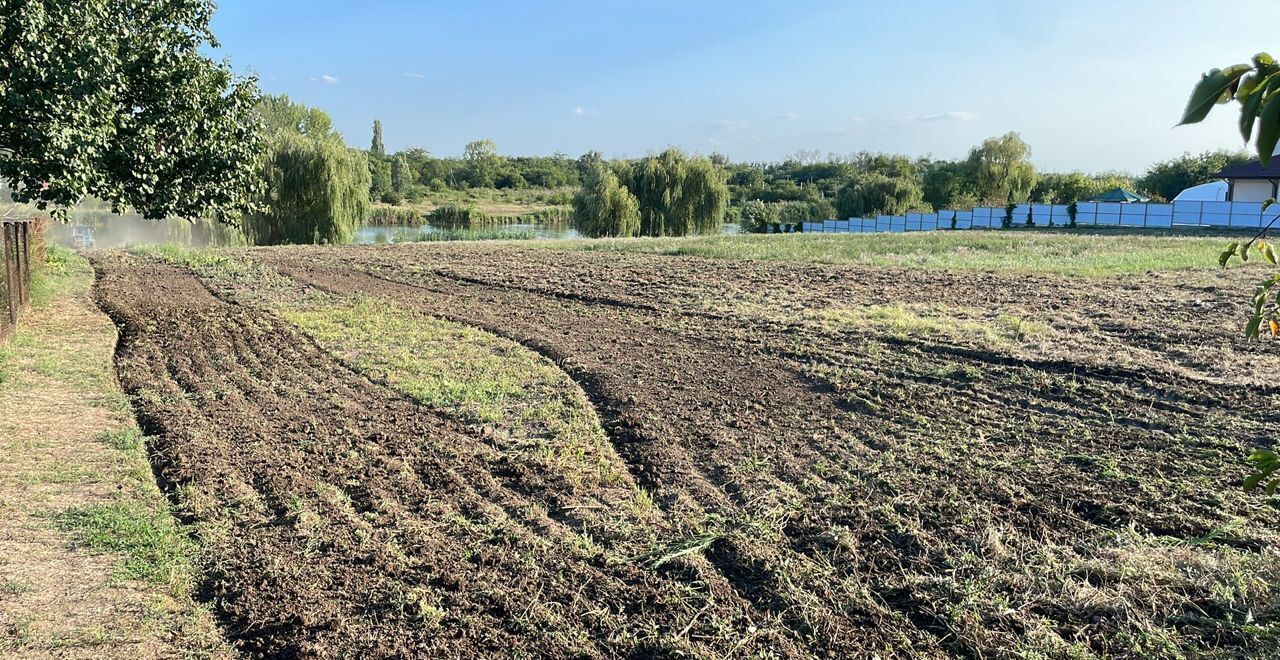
(1252, 170)
(1119, 195)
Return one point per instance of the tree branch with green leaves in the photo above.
(1256, 87)
(113, 99)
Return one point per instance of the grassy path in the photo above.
(92, 564)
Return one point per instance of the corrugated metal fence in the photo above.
(23, 251)
(1236, 215)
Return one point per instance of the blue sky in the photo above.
(1090, 85)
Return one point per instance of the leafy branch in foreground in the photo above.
(1256, 87)
(116, 99)
(1265, 464)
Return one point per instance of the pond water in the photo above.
(379, 234)
(114, 231)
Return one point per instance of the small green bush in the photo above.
(395, 215)
(457, 215)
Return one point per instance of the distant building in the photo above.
(1251, 182)
(1214, 191)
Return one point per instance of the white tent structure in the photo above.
(1215, 191)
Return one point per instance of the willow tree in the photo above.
(316, 188)
(603, 207)
(1002, 169)
(874, 194)
(677, 195)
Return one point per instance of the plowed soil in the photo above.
(853, 490)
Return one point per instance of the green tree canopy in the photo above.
(1002, 169)
(949, 185)
(604, 207)
(316, 189)
(1168, 178)
(678, 196)
(376, 148)
(1077, 186)
(756, 215)
(482, 162)
(874, 194)
(113, 99)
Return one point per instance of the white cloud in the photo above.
(418, 76)
(789, 116)
(854, 124)
(955, 116)
(326, 79)
(729, 125)
(582, 112)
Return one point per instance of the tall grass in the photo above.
(454, 214)
(1029, 251)
(451, 234)
(396, 215)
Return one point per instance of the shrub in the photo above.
(394, 215)
(457, 215)
(755, 215)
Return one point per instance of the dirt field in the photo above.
(802, 460)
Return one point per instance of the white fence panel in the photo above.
(1243, 215)
(1160, 215)
(1187, 212)
(1270, 215)
(1087, 213)
(1109, 213)
(1215, 214)
(1246, 214)
(1133, 215)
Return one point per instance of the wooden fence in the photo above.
(23, 242)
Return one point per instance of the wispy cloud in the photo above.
(326, 79)
(852, 125)
(954, 116)
(789, 116)
(417, 76)
(729, 125)
(582, 112)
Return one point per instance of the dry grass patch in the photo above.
(922, 321)
(92, 564)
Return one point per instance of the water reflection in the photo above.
(111, 231)
(380, 234)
